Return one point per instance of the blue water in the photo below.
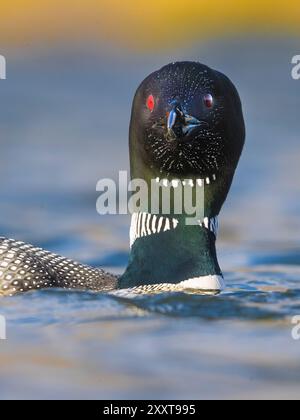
(64, 123)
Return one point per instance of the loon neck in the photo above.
(164, 250)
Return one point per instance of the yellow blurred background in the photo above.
(140, 24)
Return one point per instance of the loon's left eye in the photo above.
(150, 103)
(208, 100)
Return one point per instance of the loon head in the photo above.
(187, 124)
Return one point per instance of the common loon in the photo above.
(187, 128)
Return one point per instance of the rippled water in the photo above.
(63, 126)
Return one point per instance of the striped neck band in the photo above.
(146, 224)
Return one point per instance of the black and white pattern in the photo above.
(146, 224)
(211, 224)
(24, 267)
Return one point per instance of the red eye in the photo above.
(208, 100)
(150, 103)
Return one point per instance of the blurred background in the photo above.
(72, 70)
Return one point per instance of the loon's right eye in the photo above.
(150, 103)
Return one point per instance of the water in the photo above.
(64, 121)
